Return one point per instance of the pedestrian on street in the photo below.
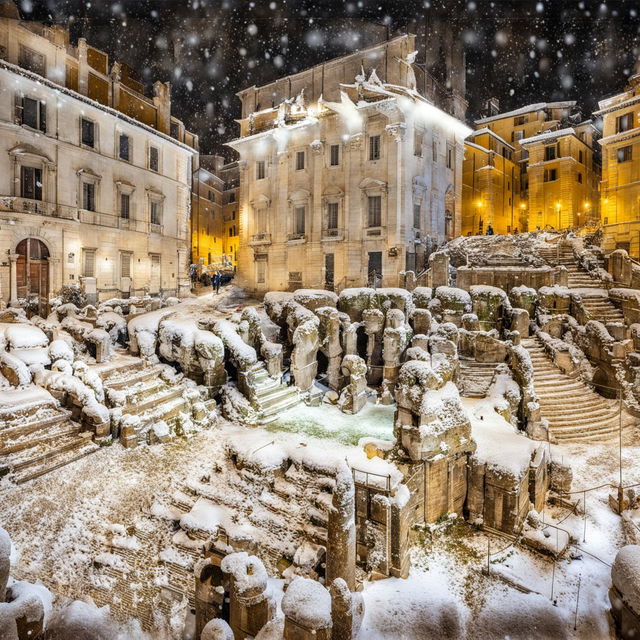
(489, 230)
(215, 281)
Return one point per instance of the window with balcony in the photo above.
(154, 158)
(299, 160)
(624, 122)
(374, 147)
(88, 132)
(334, 155)
(260, 170)
(624, 154)
(89, 196)
(31, 183)
(374, 210)
(124, 147)
(332, 215)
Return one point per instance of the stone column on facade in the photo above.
(396, 131)
(341, 530)
(115, 84)
(83, 67)
(162, 102)
(13, 279)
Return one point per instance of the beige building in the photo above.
(348, 175)
(490, 186)
(95, 178)
(620, 187)
(558, 185)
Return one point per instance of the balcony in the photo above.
(372, 232)
(37, 207)
(332, 235)
(155, 228)
(260, 238)
(296, 238)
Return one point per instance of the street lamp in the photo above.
(558, 209)
(479, 207)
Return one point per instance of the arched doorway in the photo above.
(32, 269)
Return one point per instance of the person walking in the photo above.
(489, 231)
(215, 281)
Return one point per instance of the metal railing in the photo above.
(260, 238)
(296, 236)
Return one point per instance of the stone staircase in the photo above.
(577, 278)
(138, 388)
(599, 307)
(574, 411)
(38, 436)
(271, 396)
(474, 378)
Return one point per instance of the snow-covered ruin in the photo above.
(294, 456)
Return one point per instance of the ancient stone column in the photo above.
(341, 610)
(341, 530)
(217, 629)
(13, 279)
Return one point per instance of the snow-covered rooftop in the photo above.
(549, 135)
(528, 109)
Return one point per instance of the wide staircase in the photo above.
(574, 411)
(138, 389)
(37, 435)
(474, 378)
(577, 278)
(599, 307)
(271, 395)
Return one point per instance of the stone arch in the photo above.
(212, 592)
(32, 269)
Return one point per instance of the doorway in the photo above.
(374, 269)
(32, 270)
(329, 270)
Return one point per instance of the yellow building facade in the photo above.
(562, 183)
(620, 186)
(490, 185)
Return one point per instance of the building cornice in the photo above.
(620, 137)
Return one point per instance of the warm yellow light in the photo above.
(606, 200)
(523, 205)
(557, 205)
(587, 205)
(479, 203)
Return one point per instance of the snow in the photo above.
(248, 572)
(549, 135)
(25, 336)
(18, 367)
(538, 106)
(625, 575)
(308, 604)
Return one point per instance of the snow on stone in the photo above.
(307, 603)
(625, 575)
(248, 572)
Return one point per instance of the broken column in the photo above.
(373, 322)
(347, 611)
(250, 606)
(217, 629)
(331, 347)
(341, 530)
(396, 339)
(625, 592)
(307, 611)
(354, 396)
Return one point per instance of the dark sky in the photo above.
(519, 51)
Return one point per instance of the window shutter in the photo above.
(18, 107)
(43, 117)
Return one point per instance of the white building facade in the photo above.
(343, 183)
(88, 194)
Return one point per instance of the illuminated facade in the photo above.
(559, 187)
(490, 186)
(206, 216)
(95, 178)
(345, 183)
(620, 187)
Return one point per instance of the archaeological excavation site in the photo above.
(451, 457)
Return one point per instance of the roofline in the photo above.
(486, 130)
(322, 64)
(529, 108)
(34, 77)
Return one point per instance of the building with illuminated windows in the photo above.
(95, 177)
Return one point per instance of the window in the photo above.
(174, 130)
(416, 215)
(579, 176)
(449, 157)
(332, 215)
(580, 156)
(434, 149)
(374, 211)
(125, 265)
(519, 121)
(550, 152)
(31, 113)
(89, 263)
(124, 147)
(155, 213)
(550, 175)
(374, 147)
(89, 196)
(232, 196)
(31, 183)
(624, 154)
(124, 206)
(31, 60)
(334, 155)
(212, 196)
(624, 122)
(417, 144)
(154, 158)
(299, 160)
(260, 170)
(88, 137)
(299, 215)
(261, 270)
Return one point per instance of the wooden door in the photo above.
(33, 269)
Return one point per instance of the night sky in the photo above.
(519, 51)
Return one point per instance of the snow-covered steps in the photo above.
(574, 411)
(599, 307)
(474, 378)
(36, 435)
(271, 396)
(577, 278)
